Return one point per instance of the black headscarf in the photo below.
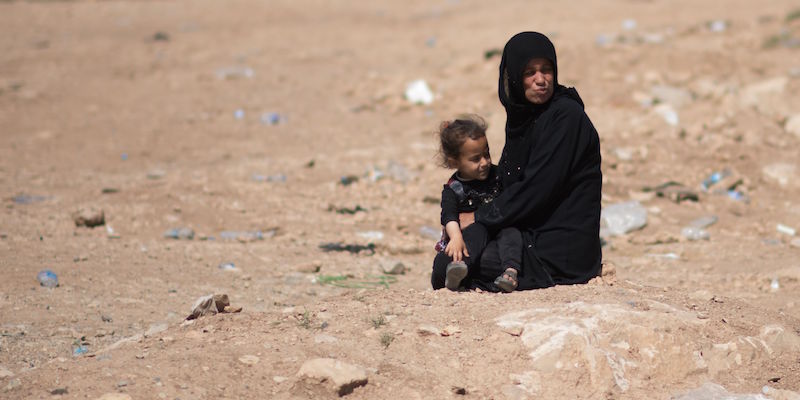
(521, 49)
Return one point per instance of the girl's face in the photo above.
(473, 161)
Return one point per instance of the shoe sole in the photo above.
(456, 272)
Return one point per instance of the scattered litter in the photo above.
(418, 92)
(346, 210)
(47, 278)
(227, 266)
(492, 53)
(715, 177)
(668, 256)
(272, 118)
(629, 24)
(674, 191)
(238, 114)
(694, 233)
(28, 199)
(161, 37)
(79, 350)
(431, 232)
(269, 178)
(347, 180)
(156, 174)
(89, 217)
(245, 236)
(123, 156)
(350, 248)
(774, 285)
(431, 41)
(718, 26)
(668, 113)
(619, 219)
(371, 235)
(179, 233)
(787, 230)
(235, 72)
(347, 281)
(110, 233)
(211, 305)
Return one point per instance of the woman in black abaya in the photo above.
(550, 168)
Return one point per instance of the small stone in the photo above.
(249, 359)
(122, 384)
(89, 217)
(115, 396)
(515, 330)
(58, 391)
(393, 268)
(156, 328)
(309, 268)
(343, 376)
(428, 330)
(450, 330)
(280, 379)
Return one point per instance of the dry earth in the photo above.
(159, 114)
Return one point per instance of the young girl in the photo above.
(463, 147)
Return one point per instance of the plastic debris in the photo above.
(350, 248)
(715, 177)
(619, 219)
(269, 178)
(629, 24)
(418, 92)
(431, 232)
(179, 233)
(718, 26)
(123, 156)
(694, 233)
(79, 350)
(347, 180)
(235, 72)
(371, 235)
(238, 114)
(244, 236)
(47, 278)
(667, 113)
(227, 266)
(712, 391)
(272, 118)
(786, 230)
(774, 285)
(28, 199)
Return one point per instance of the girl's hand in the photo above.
(456, 249)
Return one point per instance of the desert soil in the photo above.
(272, 129)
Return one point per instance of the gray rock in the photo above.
(343, 377)
(89, 217)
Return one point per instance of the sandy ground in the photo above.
(273, 128)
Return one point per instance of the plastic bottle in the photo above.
(47, 278)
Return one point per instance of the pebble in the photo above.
(393, 268)
(344, 377)
(249, 359)
(793, 125)
(115, 396)
(179, 233)
(5, 372)
(89, 217)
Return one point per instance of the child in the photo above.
(463, 147)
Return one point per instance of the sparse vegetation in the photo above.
(387, 339)
(378, 321)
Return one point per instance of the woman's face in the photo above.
(537, 80)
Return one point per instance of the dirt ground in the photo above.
(279, 133)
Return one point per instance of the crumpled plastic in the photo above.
(211, 305)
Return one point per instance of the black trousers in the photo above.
(488, 257)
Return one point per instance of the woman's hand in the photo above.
(466, 219)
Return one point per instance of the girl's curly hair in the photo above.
(453, 134)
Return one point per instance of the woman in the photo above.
(550, 168)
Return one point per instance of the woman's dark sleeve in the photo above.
(449, 205)
(546, 177)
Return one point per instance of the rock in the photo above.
(428, 330)
(115, 396)
(793, 125)
(309, 268)
(179, 233)
(12, 384)
(596, 344)
(393, 268)
(89, 217)
(343, 377)
(156, 328)
(783, 173)
(249, 359)
(621, 218)
(322, 338)
(668, 113)
(676, 97)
